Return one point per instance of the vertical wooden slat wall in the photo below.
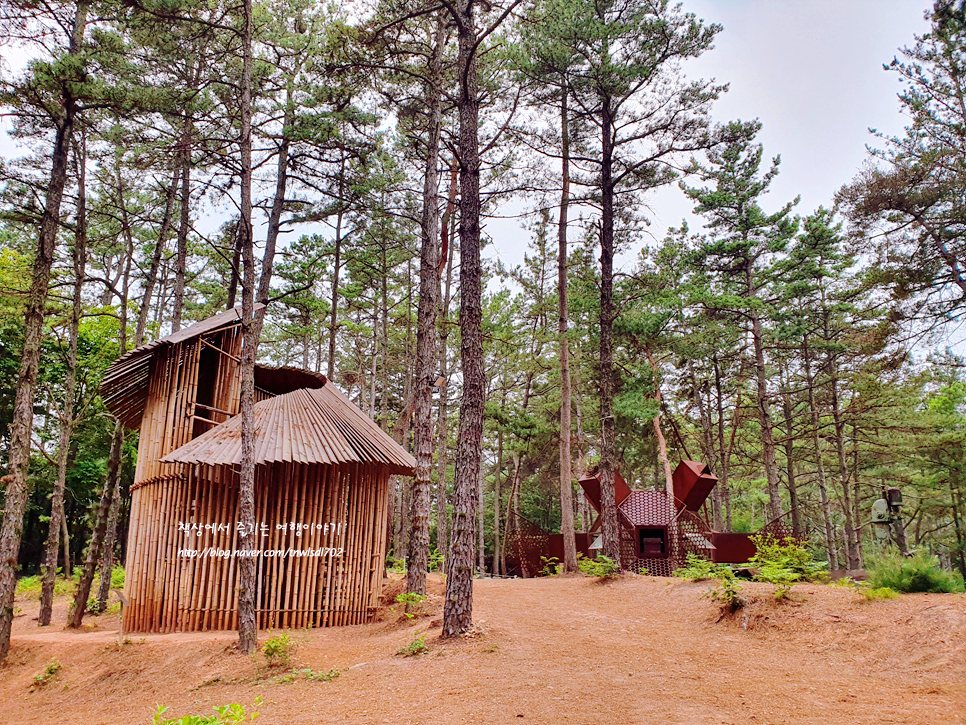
(176, 508)
(197, 510)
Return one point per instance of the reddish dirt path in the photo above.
(556, 650)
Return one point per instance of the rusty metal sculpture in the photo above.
(655, 536)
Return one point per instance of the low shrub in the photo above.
(699, 569)
(49, 673)
(784, 562)
(728, 593)
(410, 601)
(395, 565)
(918, 573)
(416, 647)
(602, 567)
(278, 650)
(233, 714)
(551, 566)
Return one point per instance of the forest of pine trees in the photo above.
(181, 157)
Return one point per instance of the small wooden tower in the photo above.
(322, 479)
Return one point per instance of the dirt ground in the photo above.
(554, 650)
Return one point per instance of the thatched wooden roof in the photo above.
(303, 426)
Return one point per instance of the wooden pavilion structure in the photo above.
(321, 487)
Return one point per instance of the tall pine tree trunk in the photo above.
(110, 535)
(181, 253)
(426, 351)
(278, 206)
(566, 464)
(480, 534)
(21, 427)
(707, 445)
(336, 270)
(826, 505)
(458, 607)
(57, 519)
(442, 429)
(94, 548)
(790, 465)
(107, 560)
(851, 554)
(498, 565)
(957, 500)
(725, 462)
(247, 625)
(764, 418)
(608, 449)
(152, 278)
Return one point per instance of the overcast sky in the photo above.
(811, 72)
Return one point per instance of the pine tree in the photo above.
(61, 104)
(916, 192)
(628, 86)
(741, 248)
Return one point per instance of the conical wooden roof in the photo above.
(304, 426)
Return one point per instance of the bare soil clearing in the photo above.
(554, 650)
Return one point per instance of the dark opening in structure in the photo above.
(652, 542)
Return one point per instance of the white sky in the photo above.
(811, 72)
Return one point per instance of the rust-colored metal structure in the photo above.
(692, 483)
(656, 535)
(528, 545)
(322, 478)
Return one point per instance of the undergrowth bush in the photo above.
(233, 714)
(551, 566)
(49, 673)
(728, 593)
(278, 650)
(784, 562)
(602, 567)
(918, 573)
(411, 602)
(875, 594)
(416, 647)
(699, 569)
(395, 565)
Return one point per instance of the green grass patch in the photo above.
(876, 594)
(30, 587)
(918, 573)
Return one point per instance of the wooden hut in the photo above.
(322, 479)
